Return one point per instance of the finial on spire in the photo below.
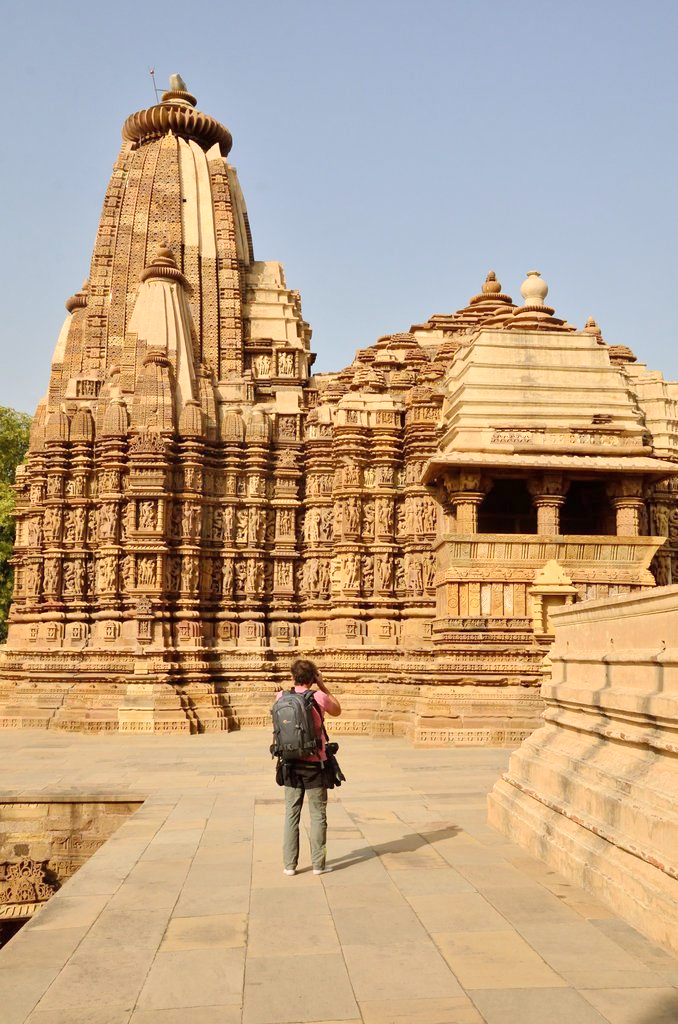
(534, 289)
(177, 84)
(592, 328)
(491, 285)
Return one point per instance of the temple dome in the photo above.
(177, 114)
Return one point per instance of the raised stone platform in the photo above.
(594, 793)
(430, 916)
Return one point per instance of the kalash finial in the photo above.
(178, 92)
(177, 84)
(534, 289)
(491, 285)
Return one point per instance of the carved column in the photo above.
(284, 611)
(629, 506)
(466, 506)
(348, 618)
(548, 495)
(416, 571)
(318, 532)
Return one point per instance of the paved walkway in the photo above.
(430, 916)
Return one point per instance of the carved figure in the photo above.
(240, 574)
(351, 572)
(352, 516)
(106, 574)
(69, 526)
(147, 515)
(227, 570)
(415, 577)
(285, 364)
(127, 572)
(33, 579)
(368, 519)
(384, 572)
(174, 574)
(324, 576)
(368, 574)
(312, 526)
(146, 570)
(189, 574)
(325, 524)
(283, 574)
(79, 524)
(384, 516)
(262, 366)
(242, 521)
(52, 523)
(228, 522)
(108, 514)
(51, 576)
(34, 533)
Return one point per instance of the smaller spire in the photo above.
(79, 300)
(164, 267)
(592, 328)
(491, 285)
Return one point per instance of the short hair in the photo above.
(304, 672)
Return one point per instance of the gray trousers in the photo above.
(317, 809)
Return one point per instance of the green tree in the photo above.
(14, 428)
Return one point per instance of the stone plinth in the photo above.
(594, 793)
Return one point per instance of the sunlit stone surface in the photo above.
(197, 507)
(594, 793)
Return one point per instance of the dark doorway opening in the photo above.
(587, 509)
(507, 508)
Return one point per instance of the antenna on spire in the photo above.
(151, 72)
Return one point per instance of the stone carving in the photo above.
(245, 496)
(25, 882)
(146, 570)
(285, 364)
(148, 515)
(262, 366)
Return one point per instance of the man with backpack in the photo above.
(299, 740)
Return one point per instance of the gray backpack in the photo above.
(294, 735)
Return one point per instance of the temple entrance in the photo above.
(587, 510)
(507, 508)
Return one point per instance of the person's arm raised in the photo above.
(333, 706)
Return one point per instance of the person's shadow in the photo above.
(664, 1011)
(406, 844)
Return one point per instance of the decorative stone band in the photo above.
(179, 118)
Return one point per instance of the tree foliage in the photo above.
(14, 428)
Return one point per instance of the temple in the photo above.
(197, 508)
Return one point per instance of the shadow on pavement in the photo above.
(407, 844)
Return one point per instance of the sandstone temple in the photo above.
(197, 508)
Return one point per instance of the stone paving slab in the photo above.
(429, 916)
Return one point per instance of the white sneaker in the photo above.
(321, 871)
(289, 871)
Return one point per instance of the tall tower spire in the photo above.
(146, 539)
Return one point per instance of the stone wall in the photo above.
(594, 793)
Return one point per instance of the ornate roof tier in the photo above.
(655, 469)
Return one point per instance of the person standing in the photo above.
(306, 775)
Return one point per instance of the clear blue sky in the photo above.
(390, 154)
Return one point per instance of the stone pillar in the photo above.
(466, 506)
(628, 504)
(548, 495)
